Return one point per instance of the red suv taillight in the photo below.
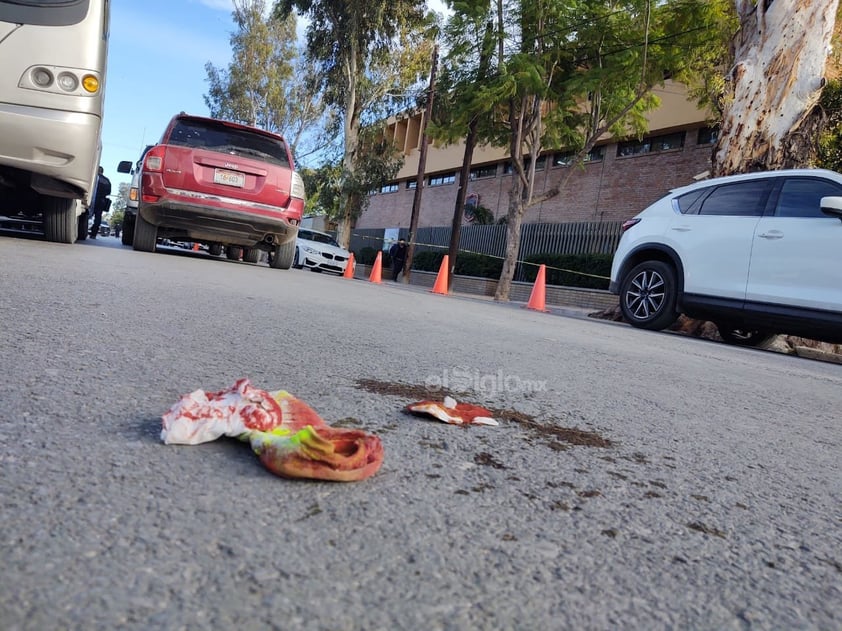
(154, 160)
(629, 223)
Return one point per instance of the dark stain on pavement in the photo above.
(556, 437)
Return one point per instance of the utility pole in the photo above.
(422, 166)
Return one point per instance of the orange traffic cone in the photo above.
(539, 290)
(377, 270)
(349, 268)
(441, 280)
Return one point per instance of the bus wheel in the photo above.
(60, 223)
(82, 226)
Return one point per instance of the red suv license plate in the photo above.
(229, 178)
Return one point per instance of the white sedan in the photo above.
(320, 252)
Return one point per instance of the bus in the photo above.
(53, 56)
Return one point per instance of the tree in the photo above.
(365, 54)
(121, 199)
(568, 73)
(771, 119)
(327, 188)
(266, 83)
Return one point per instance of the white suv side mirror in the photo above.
(832, 206)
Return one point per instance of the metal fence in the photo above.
(587, 237)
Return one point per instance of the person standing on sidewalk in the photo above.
(101, 201)
(398, 254)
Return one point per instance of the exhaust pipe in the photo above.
(269, 239)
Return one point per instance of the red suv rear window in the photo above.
(234, 141)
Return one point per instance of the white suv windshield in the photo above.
(317, 237)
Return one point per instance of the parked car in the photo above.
(757, 254)
(223, 185)
(130, 212)
(320, 252)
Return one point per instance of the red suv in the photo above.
(225, 185)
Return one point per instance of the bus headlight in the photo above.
(42, 77)
(68, 82)
(60, 80)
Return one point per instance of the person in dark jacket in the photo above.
(101, 201)
(398, 254)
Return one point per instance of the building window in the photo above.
(708, 135)
(565, 158)
(489, 170)
(392, 187)
(441, 180)
(539, 165)
(651, 145)
(411, 184)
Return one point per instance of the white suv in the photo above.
(130, 212)
(758, 254)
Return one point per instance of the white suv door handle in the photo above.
(772, 234)
(682, 228)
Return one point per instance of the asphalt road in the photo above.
(713, 502)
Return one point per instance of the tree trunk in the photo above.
(514, 219)
(347, 201)
(780, 54)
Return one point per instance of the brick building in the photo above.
(620, 178)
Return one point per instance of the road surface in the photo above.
(638, 480)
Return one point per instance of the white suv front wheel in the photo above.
(648, 296)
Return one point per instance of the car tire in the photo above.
(82, 226)
(60, 223)
(215, 249)
(296, 262)
(145, 235)
(743, 337)
(251, 255)
(127, 236)
(283, 255)
(233, 252)
(648, 296)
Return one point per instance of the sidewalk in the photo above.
(567, 301)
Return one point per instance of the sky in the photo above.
(156, 68)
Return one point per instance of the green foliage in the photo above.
(365, 57)
(594, 264)
(368, 254)
(377, 162)
(322, 186)
(480, 215)
(484, 266)
(562, 75)
(267, 82)
(830, 139)
(467, 263)
(571, 71)
(428, 260)
(115, 217)
(121, 200)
